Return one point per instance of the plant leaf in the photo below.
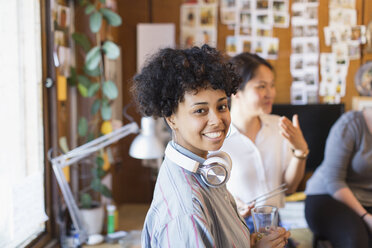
(85, 200)
(82, 127)
(89, 9)
(93, 88)
(82, 40)
(83, 90)
(110, 90)
(83, 80)
(96, 184)
(103, 1)
(106, 191)
(95, 106)
(63, 144)
(112, 18)
(100, 161)
(93, 58)
(111, 50)
(72, 80)
(93, 73)
(95, 21)
(106, 111)
(90, 137)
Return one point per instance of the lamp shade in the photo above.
(146, 145)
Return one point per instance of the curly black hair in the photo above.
(170, 73)
(246, 65)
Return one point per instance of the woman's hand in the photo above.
(292, 132)
(276, 239)
(243, 209)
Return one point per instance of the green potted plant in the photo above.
(92, 84)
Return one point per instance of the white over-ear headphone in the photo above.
(214, 171)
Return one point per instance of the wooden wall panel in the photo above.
(131, 181)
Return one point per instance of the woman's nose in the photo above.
(215, 117)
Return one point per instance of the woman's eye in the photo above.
(223, 107)
(199, 111)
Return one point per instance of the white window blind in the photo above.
(22, 210)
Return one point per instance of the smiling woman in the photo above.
(191, 206)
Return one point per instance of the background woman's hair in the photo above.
(246, 65)
(167, 75)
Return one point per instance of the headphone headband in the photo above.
(215, 171)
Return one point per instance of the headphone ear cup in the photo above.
(226, 160)
(217, 160)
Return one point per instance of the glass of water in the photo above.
(265, 220)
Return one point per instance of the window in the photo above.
(22, 209)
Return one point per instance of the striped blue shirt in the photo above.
(185, 212)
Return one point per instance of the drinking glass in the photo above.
(265, 220)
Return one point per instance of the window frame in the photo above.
(48, 238)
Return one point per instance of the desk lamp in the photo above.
(145, 146)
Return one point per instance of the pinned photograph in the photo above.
(345, 33)
(231, 45)
(312, 13)
(228, 16)
(331, 35)
(245, 18)
(341, 52)
(246, 31)
(297, 31)
(262, 4)
(311, 45)
(298, 77)
(272, 48)
(297, 46)
(60, 38)
(340, 85)
(189, 15)
(281, 20)
(208, 1)
(341, 16)
(246, 4)
(358, 33)
(64, 56)
(228, 3)
(263, 19)
(246, 45)
(311, 77)
(206, 36)
(310, 30)
(311, 60)
(187, 38)
(259, 48)
(347, 4)
(354, 50)
(63, 17)
(264, 32)
(298, 95)
(208, 15)
(312, 96)
(280, 6)
(296, 63)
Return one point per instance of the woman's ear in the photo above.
(171, 122)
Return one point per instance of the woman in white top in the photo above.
(266, 150)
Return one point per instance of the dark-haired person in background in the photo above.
(189, 88)
(338, 205)
(266, 150)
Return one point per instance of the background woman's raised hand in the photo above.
(292, 132)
